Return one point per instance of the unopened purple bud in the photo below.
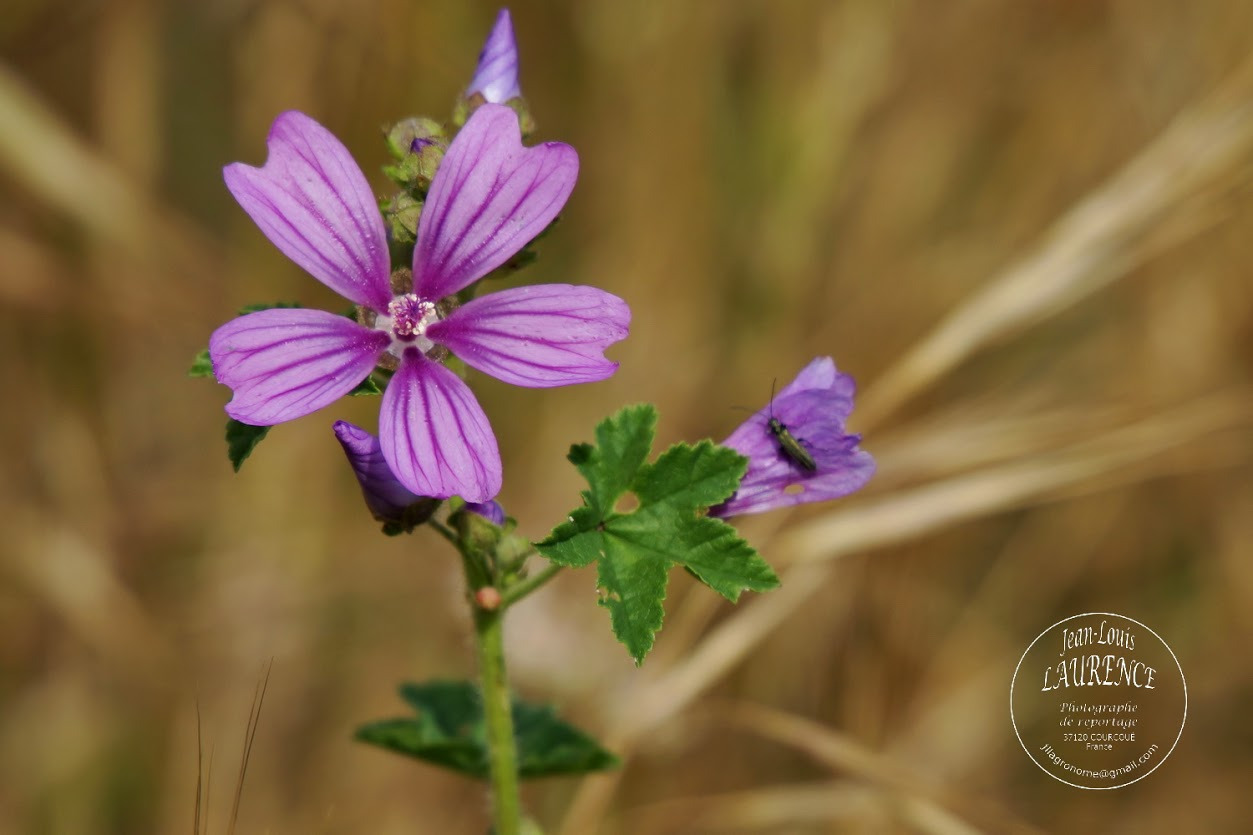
(496, 77)
(388, 500)
(489, 510)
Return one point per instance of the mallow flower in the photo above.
(488, 199)
(810, 412)
(496, 76)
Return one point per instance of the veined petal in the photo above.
(496, 77)
(811, 410)
(435, 436)
(773, 483)
(313, 203)
(539, 336)
(822, 376)
(490, 197)
(284, 363)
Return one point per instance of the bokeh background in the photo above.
(1023, 227)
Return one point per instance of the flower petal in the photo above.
(821, 375)
(496, 77)
(774, 483)
(313, 203)
(435, 436)
(540, 336)
(490, 197)
(812, 409)
(284, 363)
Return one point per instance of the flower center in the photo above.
(407, 319)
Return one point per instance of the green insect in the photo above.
(789, 443)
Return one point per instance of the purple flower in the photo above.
(389, 501)
(812, 410)
(488, 199)
(496, 77)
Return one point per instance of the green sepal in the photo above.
(241, 439)
(448, 730)
(400, 218)
(635, 550)
(418, 513)
(202, 365)
(366, 388)
(466, 105)
(418, 145)
(259, 306)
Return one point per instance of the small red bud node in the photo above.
(487, 598)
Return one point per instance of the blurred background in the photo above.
(1023, 227)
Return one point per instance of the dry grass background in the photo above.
(1022, 226)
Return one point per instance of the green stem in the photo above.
(498, 715)
(521, 589)
(446, 532)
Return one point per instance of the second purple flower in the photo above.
(489, 198)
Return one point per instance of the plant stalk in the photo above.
(498, 716)
(522, 588)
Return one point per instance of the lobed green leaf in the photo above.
(635, 550)
(448, 730)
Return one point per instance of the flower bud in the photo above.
(388, 500)
(418, 144)
(489, 510)
(496, 77)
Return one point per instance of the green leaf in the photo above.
(241, 439)
(448, 730)
(367, 387)
(547, 746)
(635, 550)
(400, 215)
(259, 306)
(623, 444)
(202, 365)
(576, 542)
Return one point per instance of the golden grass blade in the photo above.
(784, 808)
(44, 154)
(761, 808)
(845, 755)
(196, 830)
(907, 514)
(208, 790)
(41, 153)
(250, 736)
(1201, 156)
(78, 582)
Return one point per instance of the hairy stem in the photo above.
(521, 589)
(498, 716)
